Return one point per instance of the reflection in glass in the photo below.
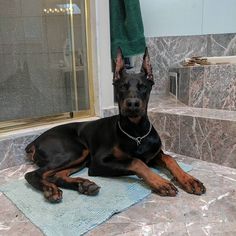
(43, 61)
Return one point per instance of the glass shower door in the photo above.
(43, 59)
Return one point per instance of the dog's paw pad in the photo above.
(88, 188)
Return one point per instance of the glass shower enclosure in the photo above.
(44, 69)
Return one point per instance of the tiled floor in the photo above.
(213, 213)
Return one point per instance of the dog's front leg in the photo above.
(120, 165)
(158, 184)
(186, 181)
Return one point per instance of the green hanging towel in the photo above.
(126, 27)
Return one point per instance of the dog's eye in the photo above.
(142, 87)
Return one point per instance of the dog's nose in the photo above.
(133, 103)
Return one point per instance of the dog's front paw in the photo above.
(191, 185)
(53, 195)
(89, 188)
(164, 188)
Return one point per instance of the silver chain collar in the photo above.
(137, 139)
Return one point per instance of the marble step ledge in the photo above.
(208, 86)
(205, 134)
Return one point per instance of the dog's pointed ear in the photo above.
(119, 64)
(146, 65)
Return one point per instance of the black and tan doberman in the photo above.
(124, 144)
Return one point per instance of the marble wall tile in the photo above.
(189, 137)
(166, 52)
(221, 45)
(219, 87)
(167, 126)
(12, 151)
(223, 142)
(230, 99)
(208, 139)
(196, 86)
(183, 85)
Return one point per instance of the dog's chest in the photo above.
(145, 150)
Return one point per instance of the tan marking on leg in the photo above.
(48, 185)
(64, 174)
(69, 166)
(79, 160)
(172, 166)
(157, 183)
(188, 182)
(84, 186)
(51, 191)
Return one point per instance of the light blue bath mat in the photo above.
(77, 214)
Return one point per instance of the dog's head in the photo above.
(133, 89)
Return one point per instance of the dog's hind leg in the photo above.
(51, 192)
(46, 180)
(84, 186)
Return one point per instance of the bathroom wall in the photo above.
(188, 17)
(167, 52)
(176, 29)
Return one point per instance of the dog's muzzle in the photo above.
(132, 107)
